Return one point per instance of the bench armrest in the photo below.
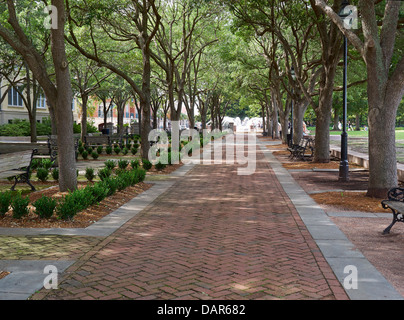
(396, 194)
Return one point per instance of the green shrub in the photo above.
(42, 174)
(99, 191)
(112, 184)
(94, 155)
(19, 206)
(123, 163)
(138, 175)
(133, 150)
(160, 166)
(55, 174)
(91, 128)
(85, 154)
(90, 175)
(117, 150)
(44, 207)
(136, 145)
(147, 164)
(83, 198)
(125, 151)
(104, 173)
(122, 181)
(110, 164)
(66, 209)
(108, 150)
(47, 163)
(134, 164)
(75, 202)
(81, 149)
(100, 149)
(5, 201)
(35, 163)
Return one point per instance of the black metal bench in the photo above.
(304, 150)
(17, 165)
(395, 203)
(95, 141)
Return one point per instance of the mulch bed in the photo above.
(82, 219)
(352, 199)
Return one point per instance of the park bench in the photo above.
(17, 165)
(304, 150)
(53, 147)
(395, 203)
(95, 141)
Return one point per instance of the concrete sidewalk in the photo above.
(209, 234)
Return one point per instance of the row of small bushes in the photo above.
(96, 152)
(42, 173)
(75, 201)
(81, 199)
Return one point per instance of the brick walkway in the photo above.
(213, 235)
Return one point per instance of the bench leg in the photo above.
(32, 187)
(22, 178)
(395, 219)
(15, 183)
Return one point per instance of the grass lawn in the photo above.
(364, 134)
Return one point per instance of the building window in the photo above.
(73, 104)
(127, 111)
(14, 98)
(100, 112)
(41, 102)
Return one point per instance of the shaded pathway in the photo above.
(212, 235)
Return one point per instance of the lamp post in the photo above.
(293, 75)
(344, 166)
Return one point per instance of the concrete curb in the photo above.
(334, 245)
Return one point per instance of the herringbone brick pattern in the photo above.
(213, 235)
(45, 247)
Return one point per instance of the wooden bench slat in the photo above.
(11, 173)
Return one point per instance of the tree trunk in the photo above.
(298, 115)
(357, 122)
(275, 120)
(105, 117)
(155, 118)
(269, 123)
(336, 120)
(52, 117)
(322, 150)
(121, 112)
(32, 125)
(63, 108)
(145, 103)
(84, 99)
(263, 118)
(191, 118)
(323, 114)
(382, 151)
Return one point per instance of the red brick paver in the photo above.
(213, 235)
